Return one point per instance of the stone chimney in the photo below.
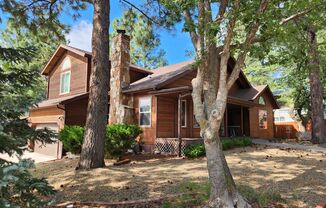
(120, 105)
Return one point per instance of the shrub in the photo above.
(72, 138)
(198, 150)
(119, 138)
(194, 151)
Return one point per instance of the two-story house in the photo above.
(158, 100)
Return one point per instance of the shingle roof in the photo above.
(54, 102)
(160, 76)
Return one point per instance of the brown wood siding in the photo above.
(78, 77)
(149, 133)
(255, 131)
(183, 81)
(134, 76)
(166, 111)
(46, 115)
(75, 112)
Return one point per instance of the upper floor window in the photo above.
(145, 111)
(183, 113)
(66, 64)
(65, 82)
(261, 100)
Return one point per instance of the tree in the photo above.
(214, 38)
(144, 43)
(18, 187)
(92, 155)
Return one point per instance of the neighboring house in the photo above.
(285, 124)
(159, 101)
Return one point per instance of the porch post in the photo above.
(179, 125)
(226, 121)
(241, 120)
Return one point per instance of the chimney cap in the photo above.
(120, 31)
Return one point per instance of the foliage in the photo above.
(144, 41)
(18, 187)
(120, 137)
(72, 138)
(198, 150)
(194, 151)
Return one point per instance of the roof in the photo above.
(64, 48)
(160, 76)
(55, 101)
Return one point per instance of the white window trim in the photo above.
(184, 101)
(63, 73)
(266, 119)
(150, 112)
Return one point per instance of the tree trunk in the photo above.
(223, 189)
(316, 92)
(92, 155)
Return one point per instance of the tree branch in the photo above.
(294, 16)
(221, 11)
(246, 45)
(141, 11)
(189, 21)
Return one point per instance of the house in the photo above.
(158, 100)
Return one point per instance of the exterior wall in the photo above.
(286, 129)
(78, 77)
(134, 76)
(255, 131)
(46, 115)
(149, 133)
(75, 112)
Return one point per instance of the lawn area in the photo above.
(299, 176)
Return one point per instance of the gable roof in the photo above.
(64, 48)
(167, 74)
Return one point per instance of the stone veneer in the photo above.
(121, 106)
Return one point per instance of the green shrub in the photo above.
(194, 151)
(72, 138)
(119, 138)
(198, 150)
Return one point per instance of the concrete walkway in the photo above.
(292, 146)
(37, 157)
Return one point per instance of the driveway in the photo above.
(37, 157)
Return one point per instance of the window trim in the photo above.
(61, 75)
(184, 126)
(194, 122)
(150, 111)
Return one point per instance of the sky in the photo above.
(176, 43)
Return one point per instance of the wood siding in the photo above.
(255, 130)
(78, 76)
(149, 133)
(76, 112)
(46, 115)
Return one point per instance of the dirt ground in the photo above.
(299, 176)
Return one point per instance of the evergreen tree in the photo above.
(144, 42)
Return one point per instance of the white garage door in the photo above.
(53, 149)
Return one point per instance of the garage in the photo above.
(54, 149)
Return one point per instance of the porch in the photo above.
(177, 128)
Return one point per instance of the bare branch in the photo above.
(294, 16)
(189, 21)
(141, 11)
(246, 45)
(221, 11)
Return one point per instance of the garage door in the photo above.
(53, 149)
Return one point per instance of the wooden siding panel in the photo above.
(255, 131)
(149, 133)
(78, 77)
(76, 112)
(166, 111)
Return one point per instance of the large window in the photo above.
(145, 111)
(261, 100)
(65, 82)
(262, 119)
(183, 113)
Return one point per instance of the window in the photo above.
(261, 100)
(282, 118)
(183, 113)
(145, 111)
(65, 82)
(262, 119)
(66, 64)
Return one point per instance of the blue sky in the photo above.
(175, 43)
